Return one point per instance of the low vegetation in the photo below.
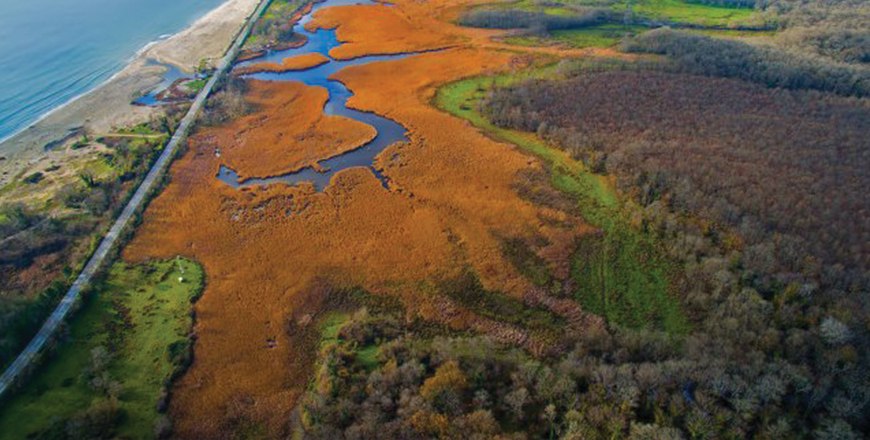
(111, 374)
(630, 284)
(534, 21)
(49, 228)
(693, 13)
(274, 29)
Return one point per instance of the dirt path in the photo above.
(128, 135)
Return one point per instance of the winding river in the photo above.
(322, 41)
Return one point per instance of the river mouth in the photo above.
(172, 74)
(321, 42)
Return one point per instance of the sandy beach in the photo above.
(109, 105)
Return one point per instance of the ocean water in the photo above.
(54, 50)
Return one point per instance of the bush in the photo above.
(72, 195)
(34, 178)
(228, 103)
(16, 217)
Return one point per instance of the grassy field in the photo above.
(606, 35)
(625, 277)
(126, 342)
(331, 324)
(686, 12)
(674, 11)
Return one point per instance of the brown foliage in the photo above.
(452, 196)
(299, 62)
(367, 30)
(763, 160)
(287, 133)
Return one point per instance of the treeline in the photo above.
(541, 21)
(846, 45)
(833, 14)
(704, 55)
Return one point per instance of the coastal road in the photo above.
(26, 357)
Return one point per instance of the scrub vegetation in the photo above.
(111, 374)
(771, 67)
(274, 29)
(49, 226)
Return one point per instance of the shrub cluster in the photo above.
(763, 65)
(850, 46)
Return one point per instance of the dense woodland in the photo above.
(759, 190)
(715, 146)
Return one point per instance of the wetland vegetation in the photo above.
(662, 237)
(756, 311)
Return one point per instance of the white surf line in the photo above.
(26, 357)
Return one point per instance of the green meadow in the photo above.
(121, 351)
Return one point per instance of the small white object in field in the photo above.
(180, 279)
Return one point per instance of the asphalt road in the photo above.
(26, 357)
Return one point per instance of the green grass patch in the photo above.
(672, 11)
(197, 85)
(606, 35)
(367, 356)
(599, 36)
(634, 273)
(129, 338)
(99, 169)
(686, 12)
(330, 324)
(141, 129)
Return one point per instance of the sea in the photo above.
(52, 51)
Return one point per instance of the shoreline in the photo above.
(109, 104)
